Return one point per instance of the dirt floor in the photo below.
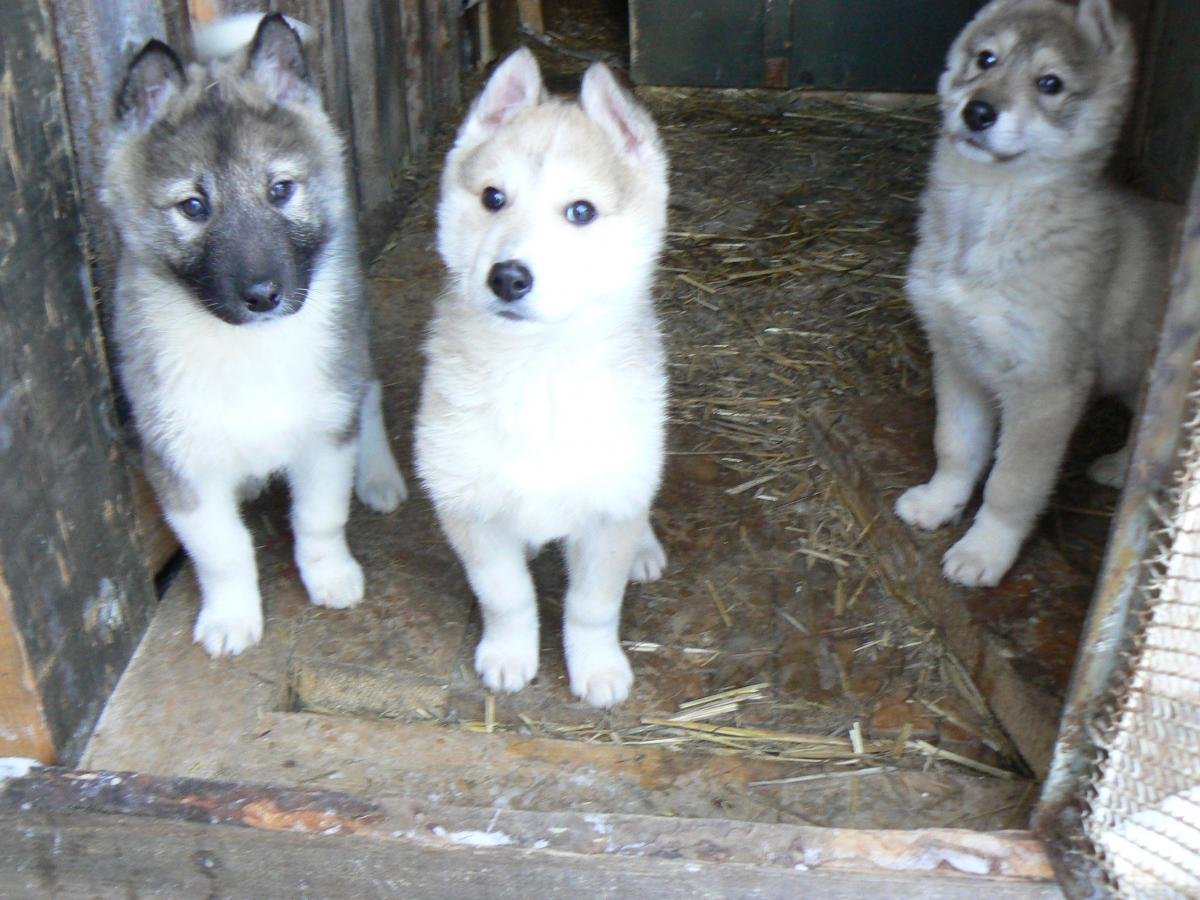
(789, 667)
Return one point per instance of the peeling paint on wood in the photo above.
(193, 800)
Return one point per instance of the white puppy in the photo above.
(543, 407)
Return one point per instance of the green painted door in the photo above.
(857, 45)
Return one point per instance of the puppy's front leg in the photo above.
(598, 565)
(494, 559)
(206, 519)
(966, 423)
(1035, 425)
(320, 478)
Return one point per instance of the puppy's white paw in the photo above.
(600, 677)
(508, 664)
(334, 580)
(381, 491)
(1110, 470)
(650, 559)
(982, 556)
(928, 506)
(229, 626)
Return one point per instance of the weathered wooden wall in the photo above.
(389, 72)
(1166, 138)
(75, 593)
(76, 556)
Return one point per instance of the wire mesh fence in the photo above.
(1121, 804)
(1142, 811)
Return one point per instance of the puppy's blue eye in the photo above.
(1050, 84)
(280, 192)
(493, 198)
(580, 212)
(194, 208)
(986, 59)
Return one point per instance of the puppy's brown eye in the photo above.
(581, 212)
(986, 59)
(493, 198)
(1050, 84)
(194, 208)
(280, 192)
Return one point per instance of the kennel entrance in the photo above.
(814, 710)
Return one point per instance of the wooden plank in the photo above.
(372, 32)
(332, 69)
(158, 540)
(80, 592)
(416, 76)
(530, 12)
(441, 51)
(1167, 136)
(99, 37)
(76, 831)
(176, 711)
(24, 730)
(1027, 711)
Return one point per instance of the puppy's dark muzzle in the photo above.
(979, 115)
(510, 280)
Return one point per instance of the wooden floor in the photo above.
(872, 694)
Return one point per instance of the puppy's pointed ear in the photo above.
(154, 76)
(627, 124)
(1099, 23)
(276, 61)
(515, 85)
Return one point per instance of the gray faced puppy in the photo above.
(240, 321)
(1037, 282)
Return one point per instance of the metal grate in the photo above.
(1143, 808)
(1121, 803)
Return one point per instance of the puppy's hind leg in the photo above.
(377, 481)
(966, 424)
(320, 479)
(494, 559)
(1109, 470)
(206, 519)
(649, 558)
(598, 565)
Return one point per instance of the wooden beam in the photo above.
(104, 832)
(23, 727)
(530, 12)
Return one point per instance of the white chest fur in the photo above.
(542, 435)
(238, 401)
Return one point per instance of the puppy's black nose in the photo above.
(262, 296)
(510, 280)
(979, 115)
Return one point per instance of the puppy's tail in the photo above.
(225, 37)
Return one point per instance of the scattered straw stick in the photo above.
(720, 606)
(828, 557)
(765, 734)
(706, 712)
(698, 285)
(749, 692)
(938, 753)
(818, 776)
(856, 738)
(489, 713)
(718, 704)
(752, 483)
